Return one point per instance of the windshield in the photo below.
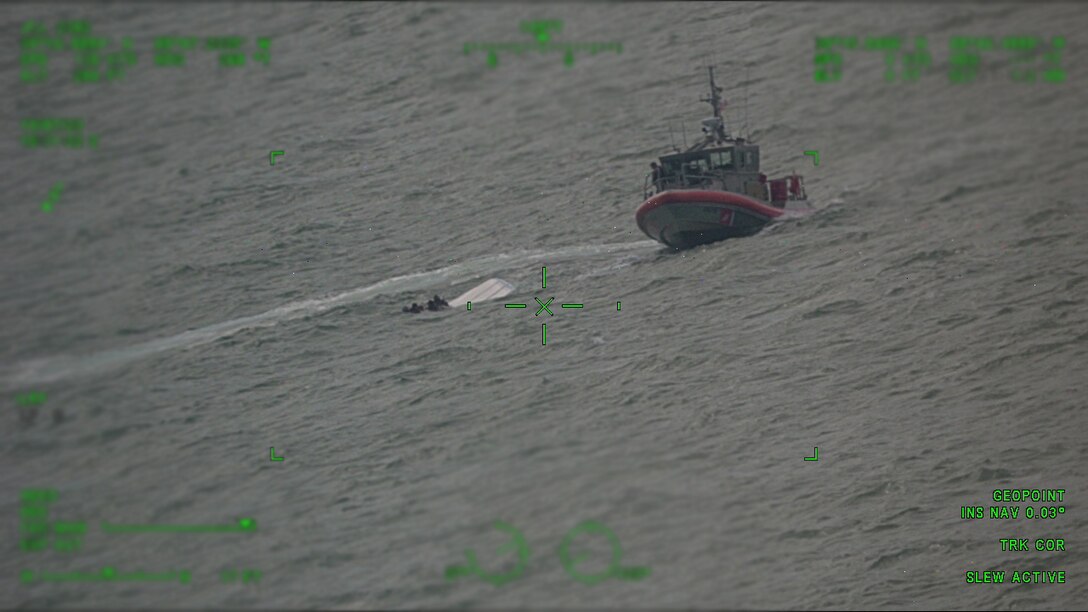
(722, 160)
(700, 164)
(686, 165)
(671, 166)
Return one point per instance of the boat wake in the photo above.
(52, 369)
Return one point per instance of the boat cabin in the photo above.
(725, 168)
(720, 162)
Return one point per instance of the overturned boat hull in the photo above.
(685, 218)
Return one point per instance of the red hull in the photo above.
(689, 217)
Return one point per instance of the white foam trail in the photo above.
(51, 369)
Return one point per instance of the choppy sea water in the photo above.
(186, 306)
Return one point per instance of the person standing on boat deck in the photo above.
(656, 175)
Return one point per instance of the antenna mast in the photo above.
(747, 75)
(715, 101)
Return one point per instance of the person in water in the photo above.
(434, 304)
(437, 303)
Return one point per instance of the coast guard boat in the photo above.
(714, 190)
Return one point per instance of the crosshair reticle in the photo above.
(546, 306)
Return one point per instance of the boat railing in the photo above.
(787, 189)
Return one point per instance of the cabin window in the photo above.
(699, 165)
(671, 167)
(723, 160)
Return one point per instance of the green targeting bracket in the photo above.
(545, 306)
(54, 195)
(272, 157)
(815, 157)
(815, 454)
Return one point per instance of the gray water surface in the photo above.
(186, 306)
